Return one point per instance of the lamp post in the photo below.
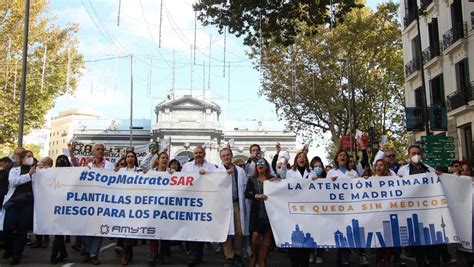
(131, 100)
(23, 73)
(422, 72)
(352, 111)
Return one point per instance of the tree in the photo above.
(60, 77)
(311, 81)
(266, 20)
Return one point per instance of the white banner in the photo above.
(84, 151)
(377, 212)
(155, 205)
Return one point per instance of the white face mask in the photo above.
(29, 161)
(416, 159)
(278, 171)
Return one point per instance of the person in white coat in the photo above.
(93, 243)
(17, 211)
(126, 248)
(341, 170)
(238, 223)
(341, 167)
(300, 168)
(201, 166)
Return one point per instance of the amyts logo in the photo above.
(104, 229)
(117, 229)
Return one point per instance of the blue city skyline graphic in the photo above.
(393, 234)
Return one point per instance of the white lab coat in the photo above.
(14, 180)
(405, 170)
(244, 215)
(339, 174)
(192, 167)
(290, 173)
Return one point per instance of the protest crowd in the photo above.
(251, 238)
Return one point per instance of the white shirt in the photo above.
(192, 167)
(339, 174)
(107, 165)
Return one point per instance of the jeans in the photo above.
(93, 244)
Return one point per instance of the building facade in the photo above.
(89, 127)
(447, 41)
(188, 121)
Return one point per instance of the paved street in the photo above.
(40, 257)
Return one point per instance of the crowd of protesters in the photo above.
(250, 229)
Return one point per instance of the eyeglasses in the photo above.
(261, 163)
(390, 156)
(241, 165)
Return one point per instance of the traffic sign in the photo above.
(434, 163)
(437, 139)
(438, 147)
(441, 155)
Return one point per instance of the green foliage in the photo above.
(42, 32)
(310, 81)
(266, 20)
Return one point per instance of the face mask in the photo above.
(278, 170)
(318, 170)
(416, 159)
(29, 161)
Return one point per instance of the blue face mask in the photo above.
(318, 170)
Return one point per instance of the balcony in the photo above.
(411, 67)
(409, 17)
(458, 31)
(425, 3)
(429, 53)
(460, 97)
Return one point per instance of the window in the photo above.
(414, 49)
(437, 92)
(472, 20)
(467, 145)
(433, 37)
(418, 97)
(456, 13)
(462, 75)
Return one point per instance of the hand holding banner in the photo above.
(359, 213)
(155, 205)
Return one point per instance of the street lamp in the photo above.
(352, 111)
(23, 73)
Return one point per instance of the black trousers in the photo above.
(299, 256)
(430, 253)
(18, 220)
(59, 247)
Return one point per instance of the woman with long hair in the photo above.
(300, 168)
(259, 224)
(174, 165)
(382, 255)
(342, 167)
(18, 207)
(342, 170)
(130, 164)
(120, 164)
(158, 248)
(317, 168)
(59, 252)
